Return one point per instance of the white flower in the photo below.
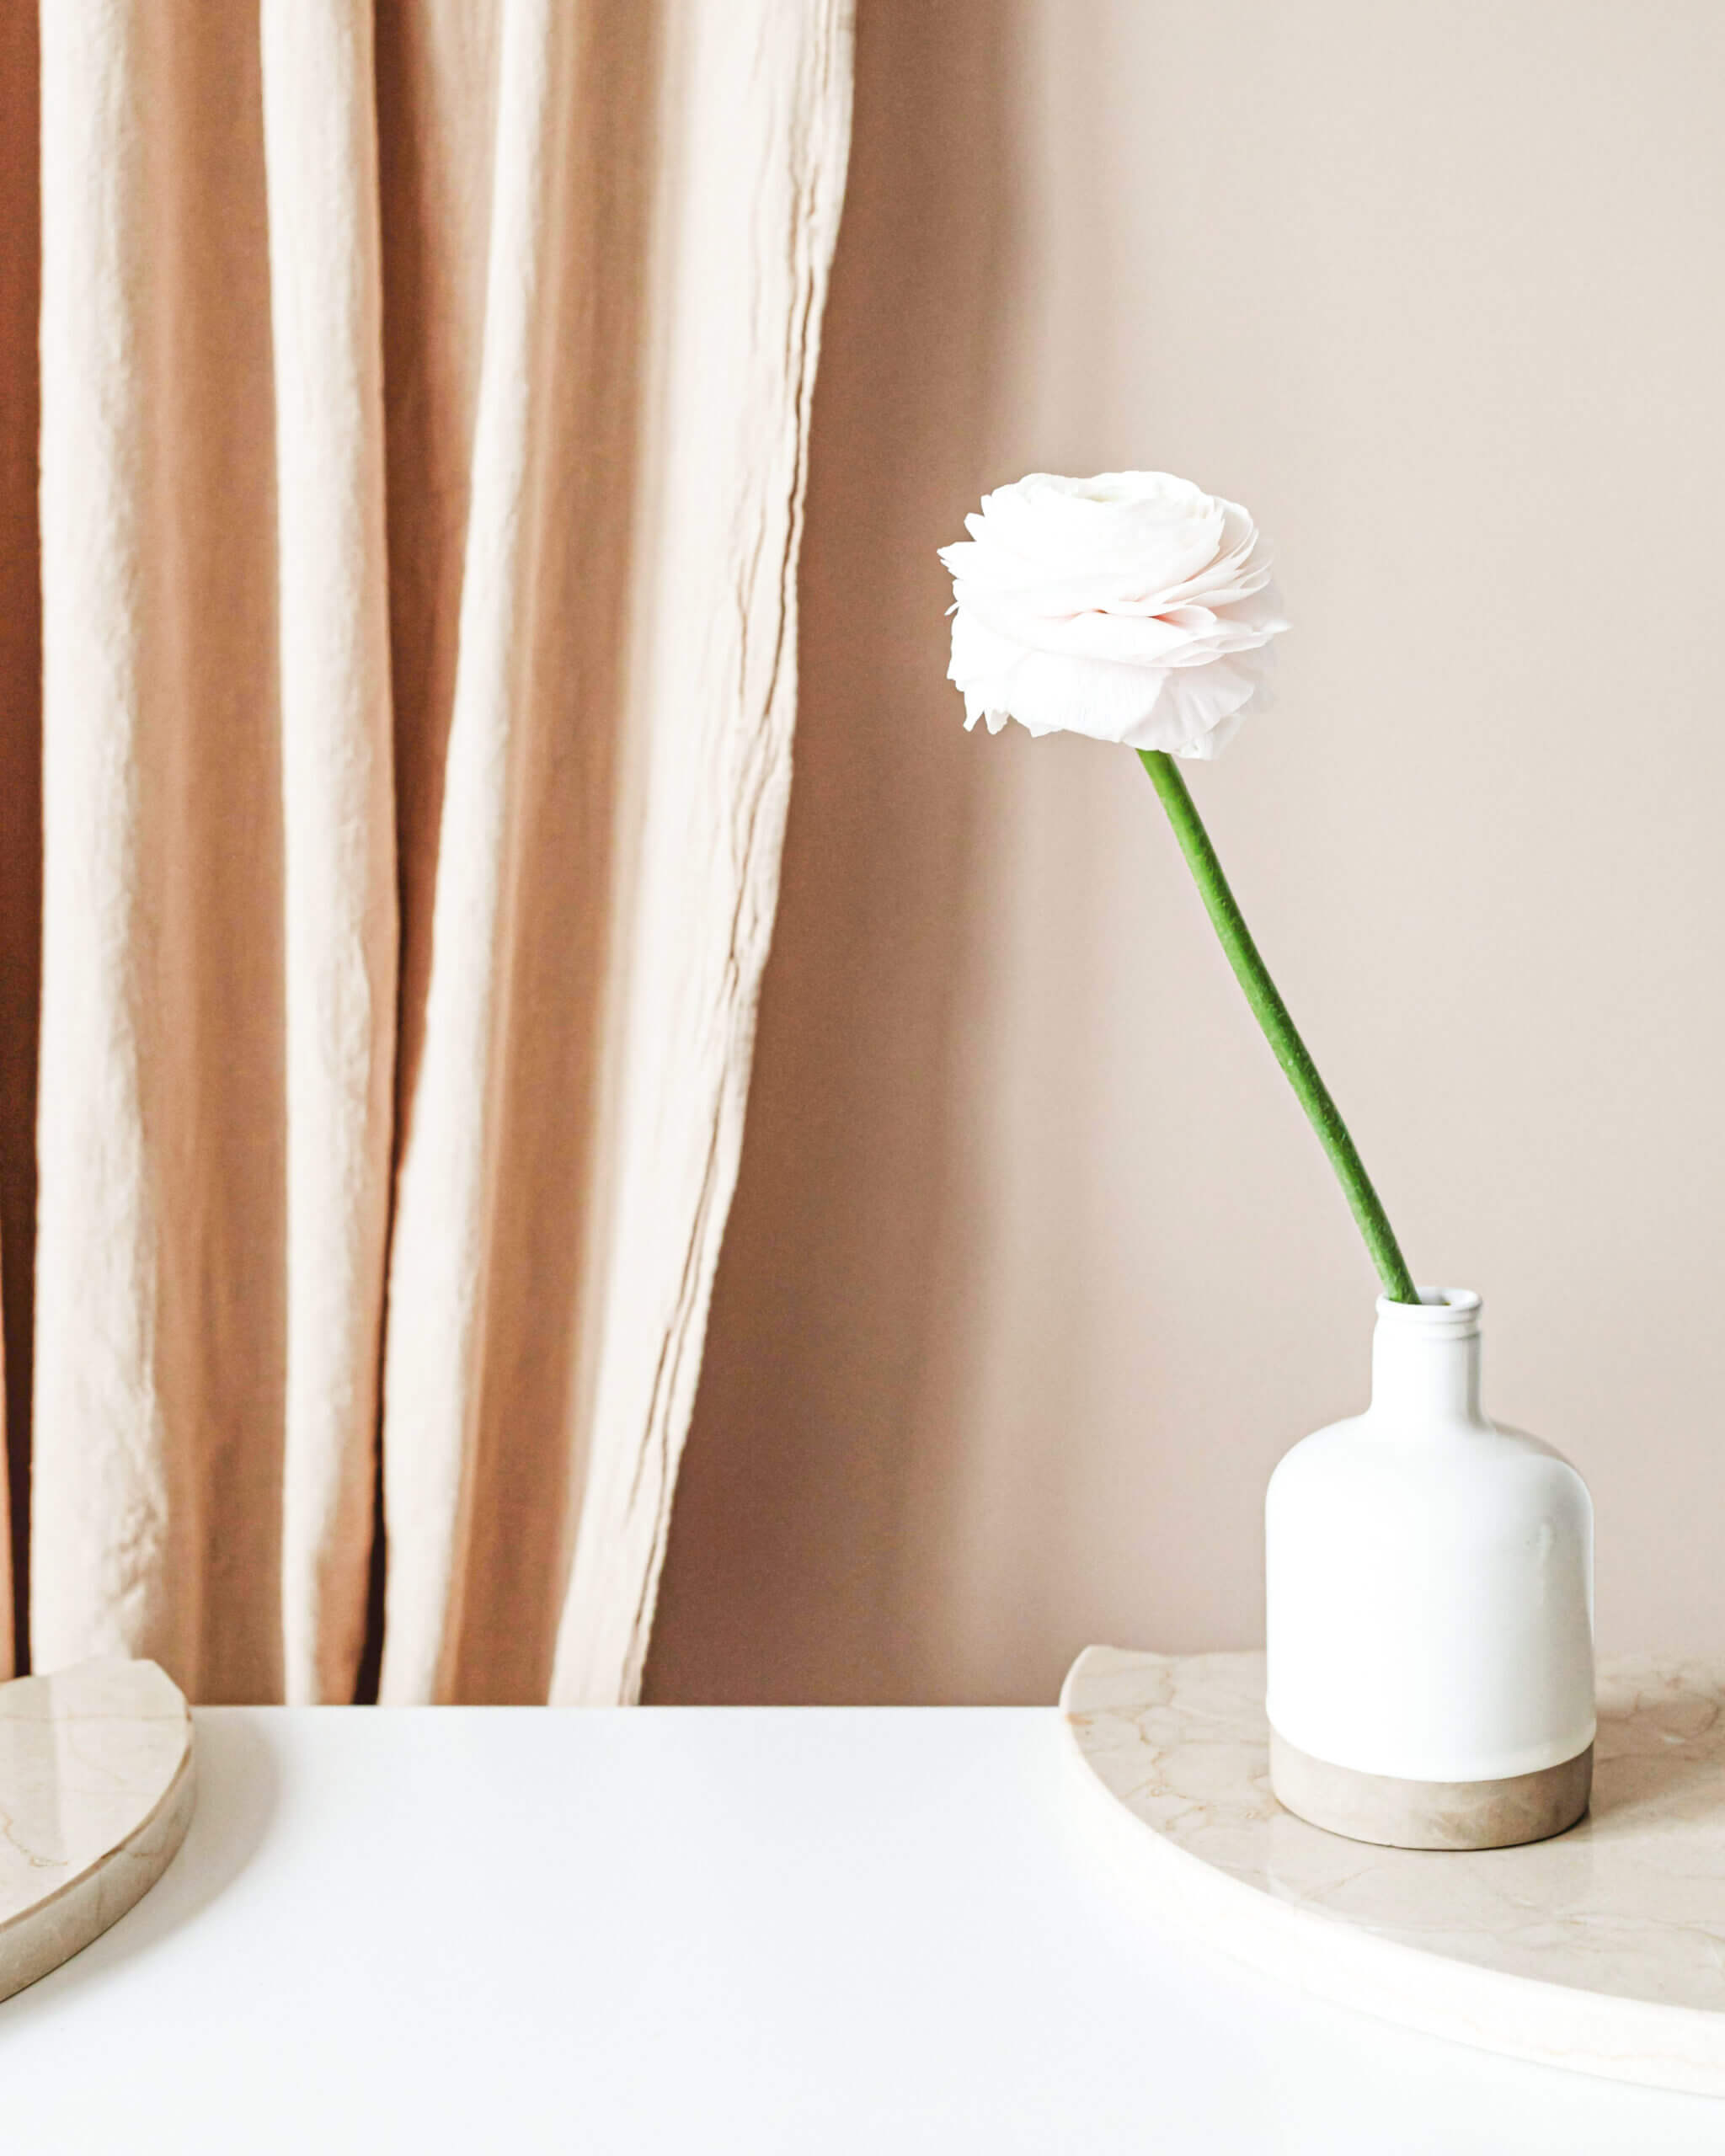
(1130, 607)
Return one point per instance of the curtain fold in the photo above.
(20, 776)
(711, 701)
(338, 811)
(157, 1424)
(479, 1336)
(423, 418)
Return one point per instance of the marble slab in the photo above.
(96, 1792)
(1602, 1949)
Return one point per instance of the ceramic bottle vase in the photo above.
(1429, 1587)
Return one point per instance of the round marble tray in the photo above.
(1602, 1949)
(95, 1797)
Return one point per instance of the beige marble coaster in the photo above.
(1602, 1949)
(95, 1797)
(1409, 1815)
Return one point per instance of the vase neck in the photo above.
(1425, 1358)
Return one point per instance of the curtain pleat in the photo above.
(423, 436)
(451, 1384)
(338, 812)
(156, 1444)
(20, 777)
(755, 109)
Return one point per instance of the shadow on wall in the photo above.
(831, 1290)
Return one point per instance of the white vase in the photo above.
(1429, 1582)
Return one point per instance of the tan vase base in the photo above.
(1409, 1815)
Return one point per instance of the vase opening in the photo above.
(1441, 1313)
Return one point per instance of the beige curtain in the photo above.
(424, 411)
(20, 758)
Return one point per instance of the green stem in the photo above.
(1272, 1014)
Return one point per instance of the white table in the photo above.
(818, 1930)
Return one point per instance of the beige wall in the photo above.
(1035, 1269)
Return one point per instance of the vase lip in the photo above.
(1448, 1311)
